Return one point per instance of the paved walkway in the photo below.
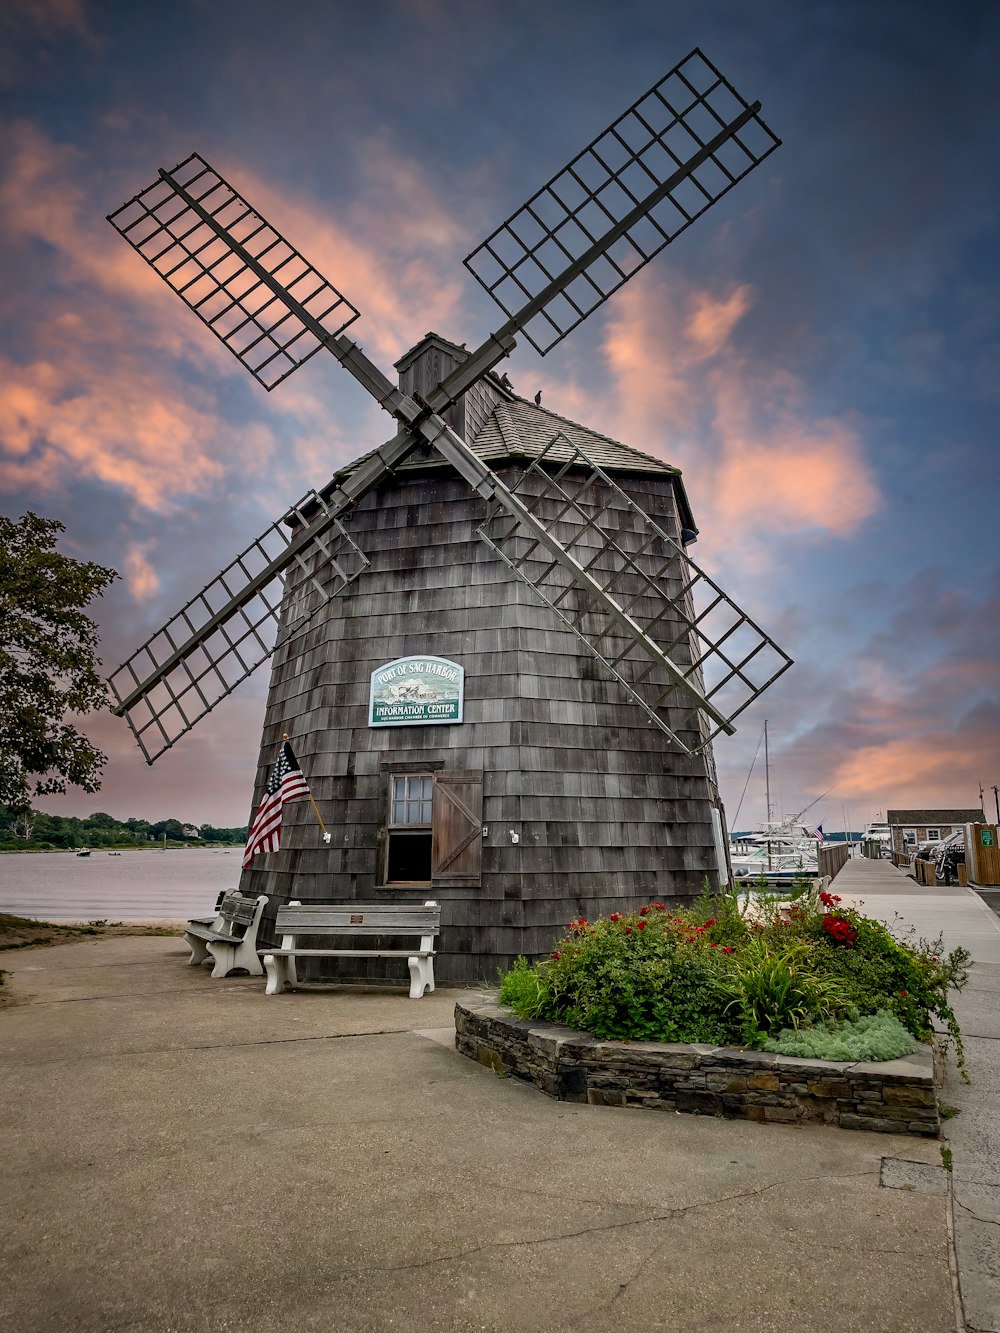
(183, 1154)
(962, 917)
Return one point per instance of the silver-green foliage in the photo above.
(879, 1036)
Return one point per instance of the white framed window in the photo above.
(410, 829)
(933, 835)
(909, 837)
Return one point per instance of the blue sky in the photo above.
(820, 354)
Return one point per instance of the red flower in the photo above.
(726, 949)
(556, 955)
(659, 907)
(839, 929)
(710, 923)
(615, 916)
(902, 992)
(628, 930)
(642, 925)
(643, 911)
(713, 946)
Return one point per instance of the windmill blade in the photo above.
(666, 160)
(663, 629)
(255, 291)
(224, 633)
(628, 194)
(233, 269)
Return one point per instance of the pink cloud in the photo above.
(386, 254)
(140, 576)
(712, 321)
(682, 389)
(111, 421)
(48, 17)
(777, 465)
(937, 768)
(103, 392)
(914, 721)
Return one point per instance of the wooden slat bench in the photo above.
(230, 937)
(354, 921)
(215, 920)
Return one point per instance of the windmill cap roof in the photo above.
(521, 429)
(516, 429)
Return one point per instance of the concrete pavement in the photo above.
(962, 918)
(183, 1154)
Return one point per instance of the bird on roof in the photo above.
(538, 398)
(505, 382)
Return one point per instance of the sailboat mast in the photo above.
(767, 792)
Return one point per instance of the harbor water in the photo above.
(170, 885)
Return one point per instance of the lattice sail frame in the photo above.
(224, 633)
(676, 151)
(237, 296)
(722, 660)
(273, 311)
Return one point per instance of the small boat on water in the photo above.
(85, 852)
(778, 851)
(878, 832)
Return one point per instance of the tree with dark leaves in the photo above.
(48, 663)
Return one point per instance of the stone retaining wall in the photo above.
(893, 1096)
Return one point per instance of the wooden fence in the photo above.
(982, 855)
(832, 856)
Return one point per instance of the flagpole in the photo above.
(319, 817)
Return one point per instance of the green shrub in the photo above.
(879, 1036)
(777, 986)
(731, 970)
(521, 989)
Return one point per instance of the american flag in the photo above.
(818, 834)
(286, 783)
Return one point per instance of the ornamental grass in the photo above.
(752, 972)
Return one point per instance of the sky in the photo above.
(819, 354)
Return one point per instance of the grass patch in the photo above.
(21, 932)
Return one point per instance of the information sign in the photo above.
(416, 691)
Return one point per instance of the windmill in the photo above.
(566, 531)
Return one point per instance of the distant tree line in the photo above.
(26, 829)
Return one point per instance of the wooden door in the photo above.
(457, 845)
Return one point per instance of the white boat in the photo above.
(778, 851)
(879, 832)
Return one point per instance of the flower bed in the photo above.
(750, 973)
(895, 1096)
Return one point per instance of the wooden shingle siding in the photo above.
(605, 810)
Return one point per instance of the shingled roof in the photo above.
(519, 429)
(515, 429)
(910, 818)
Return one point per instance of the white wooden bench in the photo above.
(230, 937)
(353, 921)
